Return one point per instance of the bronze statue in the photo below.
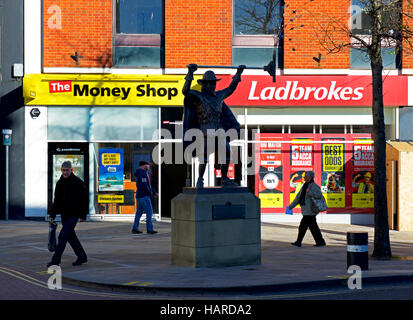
(207, 111)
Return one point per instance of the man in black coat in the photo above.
(71, 200)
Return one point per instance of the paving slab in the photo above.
(120, 259)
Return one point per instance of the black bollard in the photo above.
(357, 250)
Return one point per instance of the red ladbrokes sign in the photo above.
(315, 91)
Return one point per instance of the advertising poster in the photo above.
(270, 180)
(110, 169)
(363, 175)
(302, 160)
(333, 173)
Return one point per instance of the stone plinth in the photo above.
(216, 227)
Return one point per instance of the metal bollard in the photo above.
(358, 250)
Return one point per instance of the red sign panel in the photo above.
(363, 157)
(315, 91)
(60, 86)
(343, 165)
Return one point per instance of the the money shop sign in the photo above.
(103, 90)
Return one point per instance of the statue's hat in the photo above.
(208, 76)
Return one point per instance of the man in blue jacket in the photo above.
(143, 198)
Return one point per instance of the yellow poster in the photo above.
(363, 200)
(333, 157)
(292, 198)
(110, 198)
(110, 159)
(335, 200)
(271, 200)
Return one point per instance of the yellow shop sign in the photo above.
(86, 89)
(110, 198)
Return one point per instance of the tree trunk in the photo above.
(381, 226)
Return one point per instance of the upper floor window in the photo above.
(255, 17)
(139, 16)
(361, 21)
(139, 29)
(361, 25)
(257, 26)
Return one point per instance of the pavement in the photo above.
(119, 260)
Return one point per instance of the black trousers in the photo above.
(67, 234)
(309, 222)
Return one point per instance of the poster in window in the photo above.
(111, 169)
(363, 175)
(270, 186)
(302, 160)
(333, 173)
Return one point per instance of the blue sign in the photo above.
(111, 169)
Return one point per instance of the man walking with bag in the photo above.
(306, 198)
(71, 200)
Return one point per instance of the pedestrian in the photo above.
(143, 198)
(310, 190)
(71, 200)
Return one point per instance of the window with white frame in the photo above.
(138, 33)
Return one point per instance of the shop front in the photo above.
(106, 124)
(318, 123)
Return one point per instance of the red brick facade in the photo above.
(195, 32)
(86, 27)
(304, 35)
(407, 55)
(198, 32)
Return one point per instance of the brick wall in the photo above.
(195, 32)
(301, 44)
(407, 56)
(198, 32)
(86, 27)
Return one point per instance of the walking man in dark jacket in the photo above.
(143, 198)
(71, 200)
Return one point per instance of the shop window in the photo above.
(139, 29)
(76, 153)
(271, 129)
(115, 165)
(171, 120)
(256, 29)
(406, 120)
(102, 123)
(127, 123)
(302, 129)
(68, 124)
(362, 129)
(333, 129)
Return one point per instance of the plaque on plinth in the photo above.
(216, 227)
